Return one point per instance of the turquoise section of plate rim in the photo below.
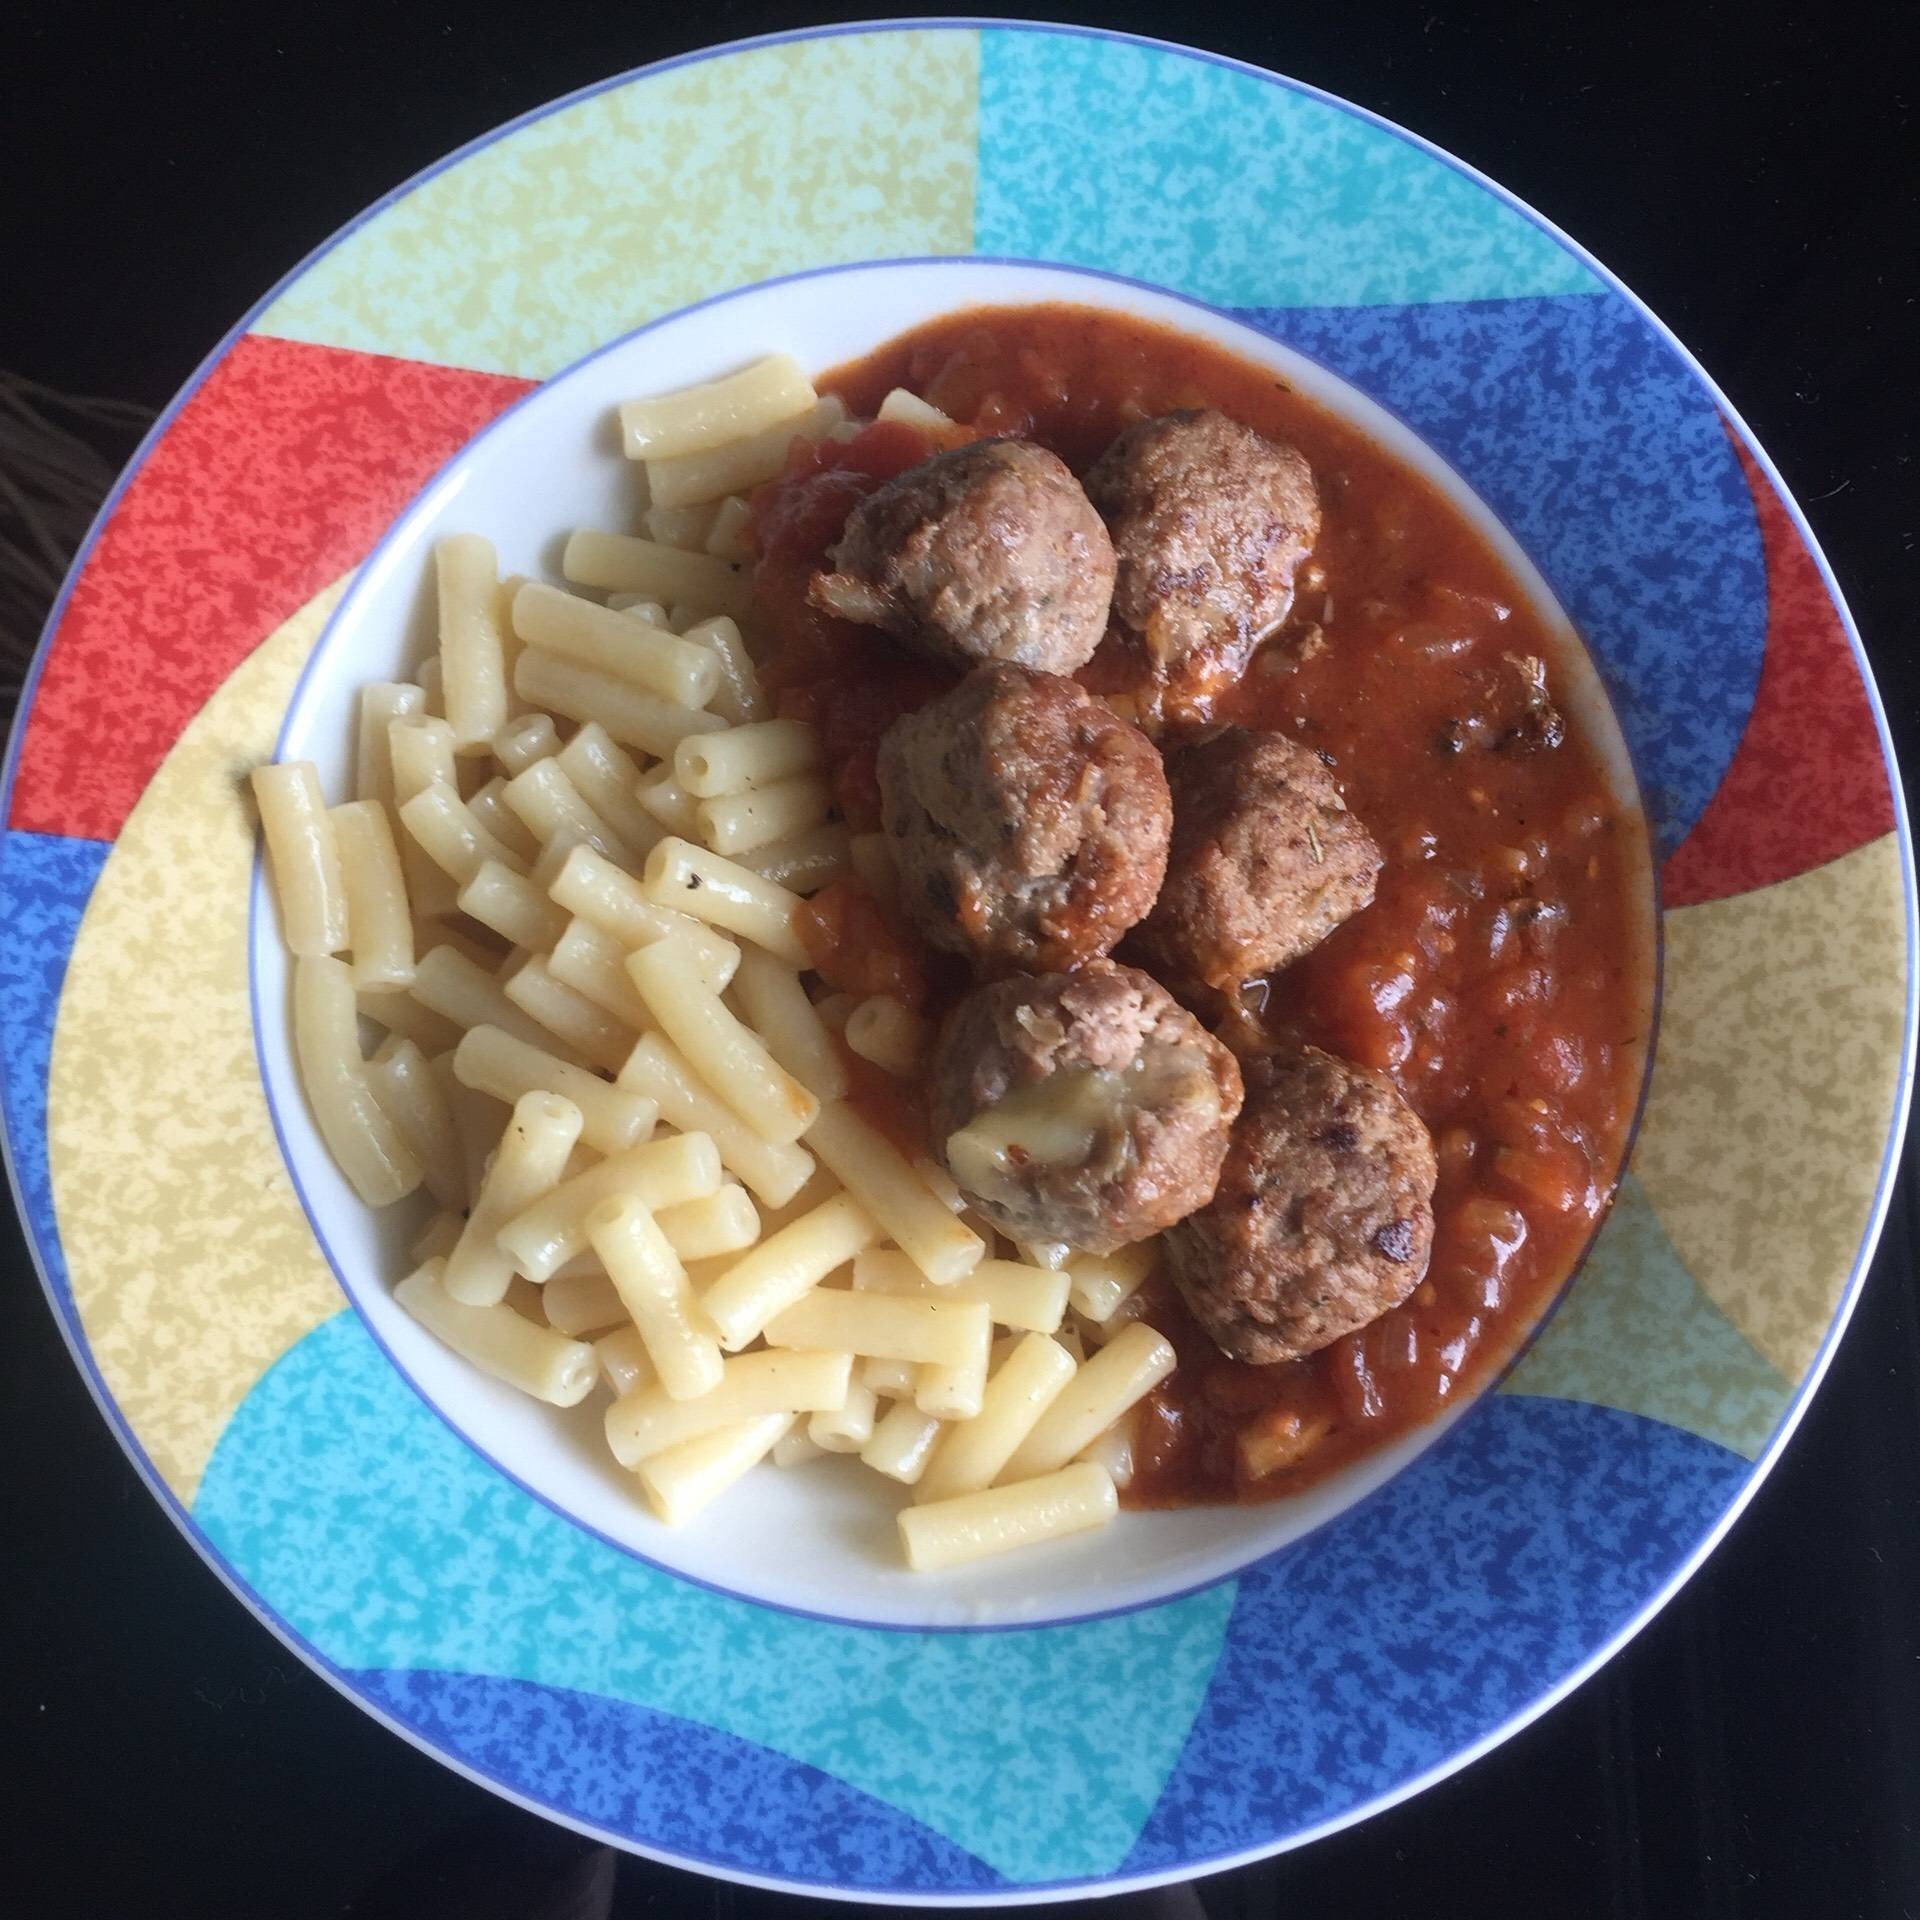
(1190, 1822)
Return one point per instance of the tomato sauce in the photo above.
(1502, 976)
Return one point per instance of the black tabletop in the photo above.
(1757, 1750)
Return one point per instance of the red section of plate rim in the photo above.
(277, 475)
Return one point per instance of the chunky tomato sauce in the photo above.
(1502, 976)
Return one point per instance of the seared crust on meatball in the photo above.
(990, 552)
(1087, 1107)
(1323, 1217)
(1265, 861)
(1029, 823)
(1210, 522)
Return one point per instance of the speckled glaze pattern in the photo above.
(1609, 461)
(333, 1475)
(1425, 1621)
(1780, 1043)
(1638, 1333)
(646, 197)
(275, 477)
(1204, 176)
(192, 1267)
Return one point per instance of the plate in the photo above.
(757, 1697)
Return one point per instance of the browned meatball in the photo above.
(1266, 861)
(1210, 522)
(1087, 1107)
(1029, 824)
(990, 552)
(1323, 1219)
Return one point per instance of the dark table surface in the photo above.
(1757, 1750)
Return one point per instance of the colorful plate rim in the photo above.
(1754, 1465)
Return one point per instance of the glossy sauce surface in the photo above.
(1501, 976)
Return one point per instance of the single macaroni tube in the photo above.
(712, 765)
(652, 1284)
(305, 856)
(716, 412)
(930, 1332)
(668, 802)
(741, 700)
(382, 702)
(910, 410)
(681, 526)
(379, 919)
(527, 1164)
(769, 1278)
(1027, 1298)
(972, 1454)
(366, 1146)
(547, 801)
(607, 778)
(740, 822)
(420, 750)
(728, 1055)
(446, 829)
(594, 963)
(523, 741)
(682, 1481)
(404, 1083)
(691, 880)
(1099, 1284)
(512, 906)
(902, 1442)
(451, 985)
(751, 1384)
(659, 1173)
(776, 1006)
(498, 1341)
(910, 1213)
(494, 1062)
(633, 718)
(569, 1016)
(1121, 1374)
(616, 644)
(952, 1531)
(621, 563)
(622, 1354)
(473, 669)
(774, 1174)
(887, 1032)
(713, 1227)
(478, 1122)
(806, 862)
(848, 1428)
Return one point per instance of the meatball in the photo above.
(1029, 824)
(1087, 1107)
(1265, 862)
(1323, 1219)
(990, 552)
(1210, 522)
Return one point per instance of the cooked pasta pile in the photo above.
(566, 891)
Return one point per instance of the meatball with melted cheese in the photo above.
(1086, 1107)
(1210, 523)
(1323, 1216)
(1265, 861)
(990, 552)
(1028, 822)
